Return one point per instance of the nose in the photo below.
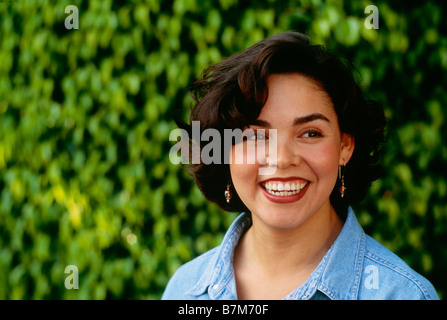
(286, 153)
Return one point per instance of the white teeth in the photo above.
(287, 189)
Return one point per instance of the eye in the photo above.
(255, 135)
(312, 133)
(260, 136)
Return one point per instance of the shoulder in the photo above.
(188, 275)
(193, 279)
(386, 276)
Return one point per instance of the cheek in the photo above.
(245, 153)
(244, 181)
(243, 174)
(323, 160)
(243, 164)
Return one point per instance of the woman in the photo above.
(298, 237)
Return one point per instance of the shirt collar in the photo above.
(219, 275)
(337, 275)
(339, 272)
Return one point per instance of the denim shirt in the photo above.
(355, 267)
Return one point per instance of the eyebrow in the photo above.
(297, 121)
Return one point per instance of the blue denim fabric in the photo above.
(355, 267)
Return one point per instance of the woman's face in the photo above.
(309, 150)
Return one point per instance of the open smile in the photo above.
(284, 190)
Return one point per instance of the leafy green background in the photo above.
(85, 116)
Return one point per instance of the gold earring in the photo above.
(228, 194)
(341, 176)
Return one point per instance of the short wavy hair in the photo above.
(231, 94)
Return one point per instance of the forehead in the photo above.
(291, 95)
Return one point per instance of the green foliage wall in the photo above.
(85, 117)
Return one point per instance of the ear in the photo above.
(346, 148)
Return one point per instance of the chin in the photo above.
(283, 219)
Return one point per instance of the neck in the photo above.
(278, 251)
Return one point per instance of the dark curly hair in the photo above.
(231, 94)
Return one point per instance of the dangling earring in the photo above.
(341, 176)
(228, 194)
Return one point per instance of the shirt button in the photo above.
(215, 286)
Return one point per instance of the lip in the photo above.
(284, 199)
(284, 179)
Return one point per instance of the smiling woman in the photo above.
(309, 150)
(298, 237)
